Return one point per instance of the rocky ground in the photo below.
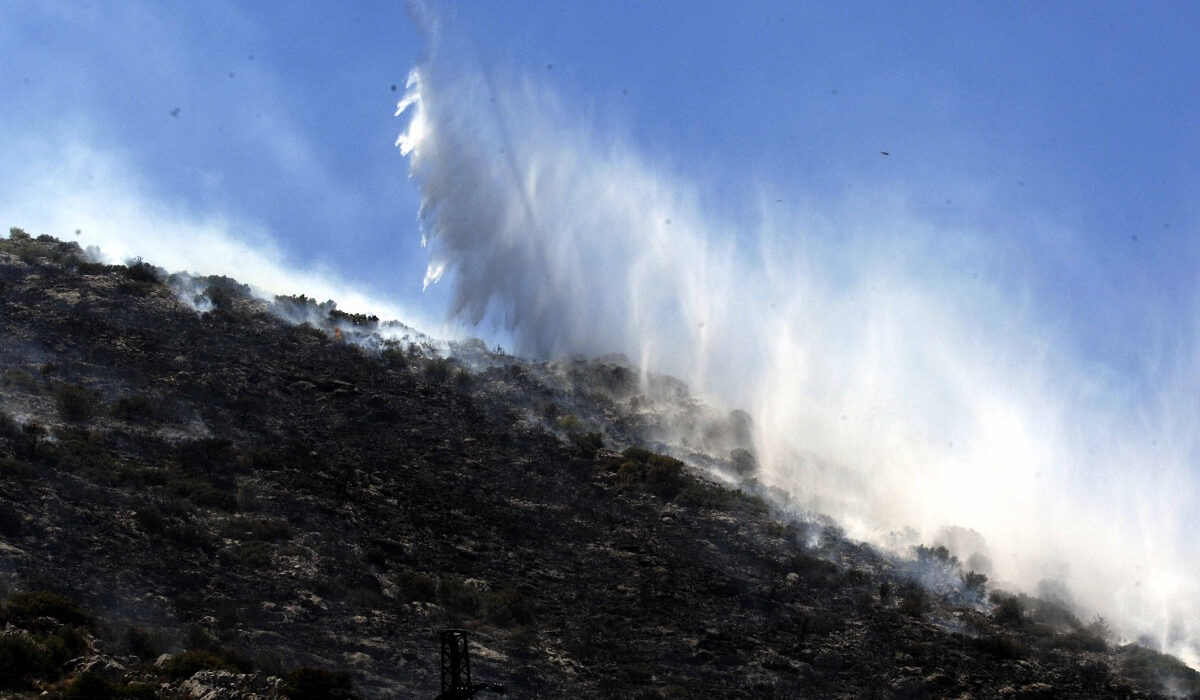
(202, 497)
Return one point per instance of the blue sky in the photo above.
(1071, 121)
(1017, 276)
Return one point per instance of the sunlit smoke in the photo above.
(889, 387)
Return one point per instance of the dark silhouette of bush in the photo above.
(1156, 670)
(508, 607)
(141, 643)
(21, 659)
(659, 474)
(457, 597)
(137, 270)
(9, 428)
(185, 665)
(914, 601)
(307, 683)
(418, 586)
(1079, 640)
(134, 407)
(973, 581)
(25, 609)
(743, 461)
(438, 370)
(395, 357)
(10, 520)
(17, 378)
(1008, 610)
(75, 403)
(589, 443)
(94, 686)
(1001, 646)
(207, 456)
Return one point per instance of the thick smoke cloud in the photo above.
(898, 376)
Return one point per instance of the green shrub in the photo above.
(309, 683)
(75, 403)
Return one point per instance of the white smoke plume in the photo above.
(896, 377)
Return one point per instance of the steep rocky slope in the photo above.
(200, 497)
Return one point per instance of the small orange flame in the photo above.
(337, 334)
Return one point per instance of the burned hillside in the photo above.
(202, 491)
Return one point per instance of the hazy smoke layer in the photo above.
(890, 386)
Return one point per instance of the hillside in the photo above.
(202, 496)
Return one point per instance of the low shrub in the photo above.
(134, 407)
(589, 443)
(914, 601)
(186, 664)
(418, 586)
(93, 685)
(141, 643)
(1079, 640)
(25, 609)
(1001, 646)
(974, 582)
(660, 474)
(136, 270)
(256, 528)
(17, 378)
(743, 461)
(1008, 610)
(1155, 670)
(457, 597)
(307, 683)
(508, 607)
(75, 403)
(10, 519)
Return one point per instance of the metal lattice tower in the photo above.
(456, 669)
(456, 663)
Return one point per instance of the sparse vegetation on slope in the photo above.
(283, 511)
